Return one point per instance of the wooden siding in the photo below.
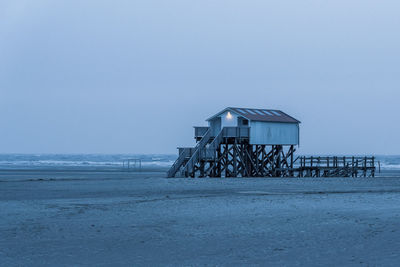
(232, 122)
(215, 126)
(274, 133)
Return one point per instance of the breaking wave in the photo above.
(99, 161)
(115, 161)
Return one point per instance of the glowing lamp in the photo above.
(229, 116)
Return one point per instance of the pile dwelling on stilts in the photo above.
(247, 142)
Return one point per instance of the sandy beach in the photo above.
(77, 218)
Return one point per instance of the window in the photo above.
(245, 122)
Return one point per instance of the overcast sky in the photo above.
(135, 76)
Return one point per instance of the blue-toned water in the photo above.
(115, 161)
(83, 161)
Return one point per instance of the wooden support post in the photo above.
(202, 163)
(278, 161)
(273, 169)
(256, 158)
(291, 160)
(249, 167)
(357, 168)
(365, 167)
(234, 160)
(219, 154)
(227, 174)
(373, 167)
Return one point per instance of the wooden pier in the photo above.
(229, 154)
(335, 166)
(242, 142)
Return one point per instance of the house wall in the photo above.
(274, 133)
(223, 121)
(215, 126)
(240, 122)
(226, 122)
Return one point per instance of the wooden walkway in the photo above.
(229, 154)
(335, 166)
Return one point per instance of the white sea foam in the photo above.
(26, 161)
(16, 161)
(390, 166)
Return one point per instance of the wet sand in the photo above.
(77, 218)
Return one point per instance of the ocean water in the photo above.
(389, 162)
(85, 161)
(115, 161)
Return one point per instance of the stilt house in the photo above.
(240, 142)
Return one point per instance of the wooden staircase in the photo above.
(188, 159)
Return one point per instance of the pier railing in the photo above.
(335, 166)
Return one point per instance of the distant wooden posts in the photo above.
(132, 164)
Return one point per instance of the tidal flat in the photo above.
(76, 218)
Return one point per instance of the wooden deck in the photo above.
(335, 166)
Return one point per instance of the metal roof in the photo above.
(255, 114)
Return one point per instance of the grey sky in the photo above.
(135, 76)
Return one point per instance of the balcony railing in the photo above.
(237, 132)
(200, 131)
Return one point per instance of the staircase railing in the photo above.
(178, 162)
(209, 152)
(196, 155)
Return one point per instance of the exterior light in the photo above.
(229, 116)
